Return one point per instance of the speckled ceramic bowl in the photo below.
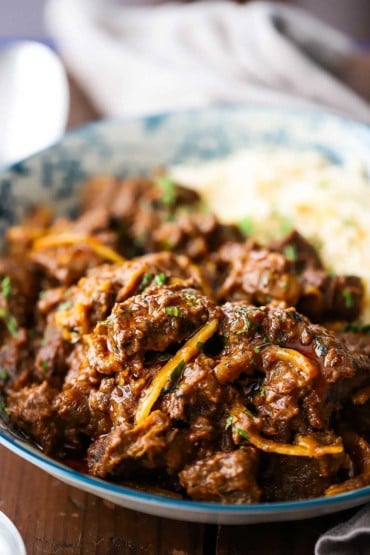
(132, 146)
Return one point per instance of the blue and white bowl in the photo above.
(123, 147)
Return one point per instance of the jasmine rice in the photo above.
(270, 191)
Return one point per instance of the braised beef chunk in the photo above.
(289, 478)
(254, 274)
(326, 297)
(224, 477)
(162, 347)
(301, 252)
(31, 410)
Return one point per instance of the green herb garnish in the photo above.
(229, 421)
(161, 278)
(242, 433)
(10, 321)
(168, 189)
(176, 373)
(4, 374)
(173, 311)
(145, 281)
(290, 252)
(6, 287)
(246, 226)
(45, 365)
(348, 298)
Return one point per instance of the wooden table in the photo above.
(54, 518)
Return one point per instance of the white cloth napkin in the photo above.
(140, 60)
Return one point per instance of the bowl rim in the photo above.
(303, 111)
(39, 459)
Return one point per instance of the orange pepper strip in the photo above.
(61, 239)
(183, 355)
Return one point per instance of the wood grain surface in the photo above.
(56, 519)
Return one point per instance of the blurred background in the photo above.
(105, 60)
(24, 18)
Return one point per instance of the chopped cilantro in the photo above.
(229, 421)
(348, 298)
(262, 391)
(45, 365)
(145, 281)
(10, 321)
(246, 226)
(242, 433)
(173, 311)
(290, 252)
(247, 323)
(176, 372)
(256, 349)
(168, 189)
(200, 346)
(161, 278)
(6, 287)
(4, 374)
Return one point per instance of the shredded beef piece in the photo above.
(286, 398)
(92, 300)
(289, 478)
(255, 274)
(31, 410)
(195, 235)
(327, 297)
(302, 253)
(223, 477)
(356, 342)
(148, 322)
(144, 444)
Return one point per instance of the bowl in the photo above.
(124, 147)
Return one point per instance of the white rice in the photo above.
(279, 188)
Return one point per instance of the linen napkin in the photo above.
(348, 538)
(135, 60)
